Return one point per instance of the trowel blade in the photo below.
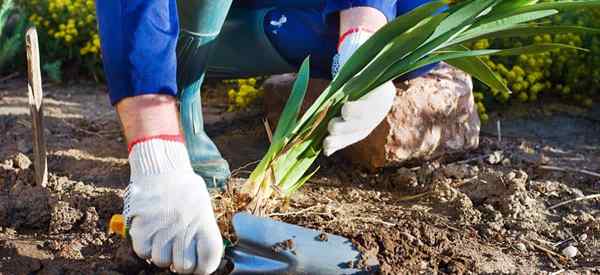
(266, 246)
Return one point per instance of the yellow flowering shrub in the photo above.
(562, 73)
(68, 32)
(243, 93)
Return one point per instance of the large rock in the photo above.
(432, 115)
(277, 89)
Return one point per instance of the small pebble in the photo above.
(583, 237)
(570, 251)
(21, 161)
(521, 247)
(323, 237)
(578, 193)
(495, 158)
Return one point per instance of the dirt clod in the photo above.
(29, 206)
(405, 178)
(126, 259)
(90, 224)
(51, 270)
(71, 250)
(460, 171)
(570, 251)
(284, 246)
(461, 205)
(323, 237)
(64, 217)
(521, 247)
(21, 161)
(495, 157)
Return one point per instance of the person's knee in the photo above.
(298, 33)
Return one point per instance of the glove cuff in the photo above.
(353, 33)
(158, 155)
(349, 42)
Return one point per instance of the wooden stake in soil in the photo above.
(34, 89)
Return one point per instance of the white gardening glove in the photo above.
(168, 210)
(359, 118)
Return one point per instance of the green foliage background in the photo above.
(12, 29)
(69, 41)
(565, 73)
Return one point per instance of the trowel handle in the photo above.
(118, 226)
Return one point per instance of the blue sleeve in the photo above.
(406, 6)
(138, 41)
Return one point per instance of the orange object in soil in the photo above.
(117, 225)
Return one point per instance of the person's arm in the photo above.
(167, 206)
(359, 118)
(151, 115)
(366, 18)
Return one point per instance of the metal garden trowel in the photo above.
(266, 246)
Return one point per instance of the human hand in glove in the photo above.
(359, 118)
(168, 209)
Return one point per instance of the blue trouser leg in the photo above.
(200, 23)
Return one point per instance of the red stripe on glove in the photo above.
(175, 138)
(351, 31)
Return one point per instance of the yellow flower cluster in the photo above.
(564, 73)
(243, 93)
(71, 22)
(92, 46)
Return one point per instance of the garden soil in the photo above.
(489, 211)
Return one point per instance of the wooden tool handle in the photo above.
(34, 89)
(117, 225)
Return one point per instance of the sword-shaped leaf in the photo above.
(531, 30)
(507, 23)
(289, 116)
(560, 6)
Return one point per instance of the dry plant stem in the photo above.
(589, 197)
(295, 213)
(569, 169)
(478, 158)
(413, 197)
(499, 129)
(241, 168)
(549, 252)
(268, 130)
